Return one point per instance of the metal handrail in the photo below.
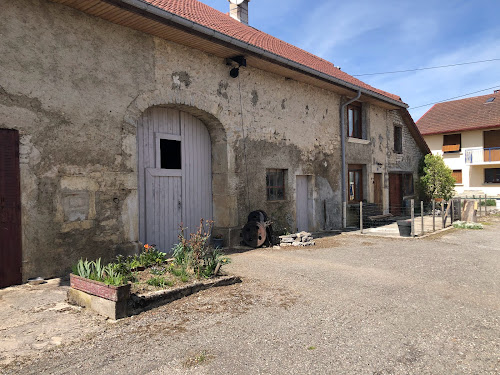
(469, 155)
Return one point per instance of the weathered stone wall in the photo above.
(66, 80)
(75, 86)
(377, 151)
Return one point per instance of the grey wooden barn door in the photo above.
(175, 175)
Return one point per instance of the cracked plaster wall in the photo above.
(75, 86)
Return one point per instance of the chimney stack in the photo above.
(238, 9)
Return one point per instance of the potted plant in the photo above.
(218, 241)
(404, 227)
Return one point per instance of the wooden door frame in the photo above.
(10, 210)
(380, 193)
(356, 168)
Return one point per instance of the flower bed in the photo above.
(194, 261)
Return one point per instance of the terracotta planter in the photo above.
(96, 288)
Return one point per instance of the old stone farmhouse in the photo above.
(120, 119)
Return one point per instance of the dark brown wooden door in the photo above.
(10, 209)
(395, 194)
(377, 188)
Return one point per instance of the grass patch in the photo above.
(159, 282)
(198, 359)
(311, 348)
(465, 225)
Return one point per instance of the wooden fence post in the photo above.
(412, 218)
(442, 214)
(361, 216)
(433, 215)
(422, 216)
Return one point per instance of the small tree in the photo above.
(437, 179)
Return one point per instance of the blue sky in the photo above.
(368, 36)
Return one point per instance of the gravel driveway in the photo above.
(350, 305)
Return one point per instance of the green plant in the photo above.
(83, 268)
(436, 178)
(465, 225)
(177, 271)
(159, 282)
(196, 253)
(151, 256)
(155, 270)
(94, 270)
(182, 251)
(112, 276)
(489, 202)
(212, 258)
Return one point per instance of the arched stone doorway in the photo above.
(178, 157)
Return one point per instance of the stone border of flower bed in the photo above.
(136, 304)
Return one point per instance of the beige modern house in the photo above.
(466, 133)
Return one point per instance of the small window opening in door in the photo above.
(170, 152)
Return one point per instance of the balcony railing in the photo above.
(482, 155)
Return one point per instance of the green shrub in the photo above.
(436, 178)
(489, 202)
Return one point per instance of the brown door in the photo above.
(10, 209)
(395, 194)
(377, 189)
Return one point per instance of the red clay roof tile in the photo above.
(202, 14)
(461, 115)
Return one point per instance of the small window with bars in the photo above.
(275, 184)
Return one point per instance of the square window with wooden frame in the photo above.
(398, 139)
(354, 116)
(355, 183)
(276, 184)
(452, 143)
(492, 175)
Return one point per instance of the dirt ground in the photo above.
(350, 305)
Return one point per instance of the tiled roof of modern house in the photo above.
(479, 112)
(204, 15)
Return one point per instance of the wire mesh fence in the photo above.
(415, 218)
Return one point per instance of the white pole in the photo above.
(361, 216)
(422, 215)
(413, 218)
(433, 215)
